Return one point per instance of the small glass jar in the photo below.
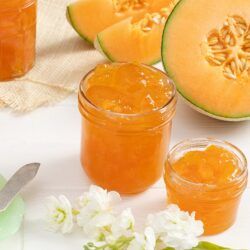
(17, 37)
(124, 152)
(215, 205)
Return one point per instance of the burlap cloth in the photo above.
(63, 58)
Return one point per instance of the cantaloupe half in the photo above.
(89, 17)
(135, 40)
(206, 51)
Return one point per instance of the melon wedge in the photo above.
(135, 41)
(89, 17)
(206, 51)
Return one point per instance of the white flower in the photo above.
(60, 216)
(96, 211)
(95, 225)
(124, 224)
(99, 199)
(144, 241)
(175, 228)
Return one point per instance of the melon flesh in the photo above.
(208, 73)
(89, 17)
(122, 43)
(135, 41)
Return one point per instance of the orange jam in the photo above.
(128, 88)
(127, 111)
(208, 177)
(17, 37)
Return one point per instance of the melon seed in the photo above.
(220, 43)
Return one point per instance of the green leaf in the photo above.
(121, 244)
(203, 245)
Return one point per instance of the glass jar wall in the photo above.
(215, 202)
(17, 37)
(124, 152)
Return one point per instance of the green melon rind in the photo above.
(99, 45)
(192, 103)
(70, 19)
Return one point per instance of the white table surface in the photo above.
(52, 136)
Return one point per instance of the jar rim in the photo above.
(122, 115)
(209, 141)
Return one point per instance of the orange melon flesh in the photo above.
(123, 43)
(184, 55)
(89, 17)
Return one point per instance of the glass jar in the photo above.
(124, 152)
(17, 37)
(215, 205)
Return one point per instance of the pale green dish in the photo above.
(11, 219)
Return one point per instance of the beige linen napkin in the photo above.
(63, 58)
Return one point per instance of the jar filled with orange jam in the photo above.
(17, 37)
(207, 176)
(127, 111)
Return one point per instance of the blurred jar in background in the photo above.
(17, 37)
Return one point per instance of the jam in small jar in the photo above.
(207, 176)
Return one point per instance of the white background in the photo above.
(52, 136)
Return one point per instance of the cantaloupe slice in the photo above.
(89, 17)
(138, 41)
(206, 51)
